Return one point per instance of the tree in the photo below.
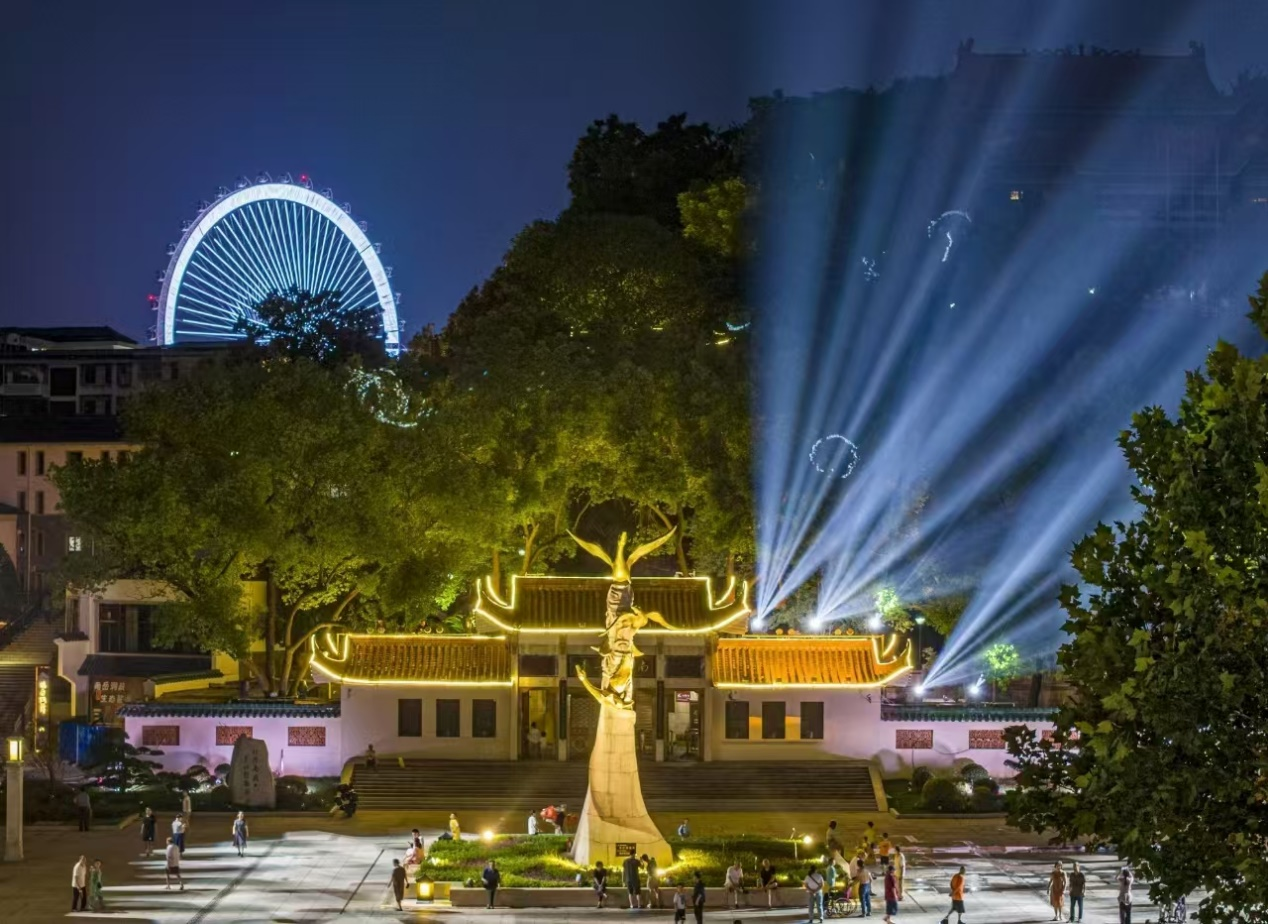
(1002, 664)
(1163, 751)
(618, 169)
(277, 472)
(714, 217)
(890, 607)
(298, 323)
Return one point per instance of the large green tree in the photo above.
(1163, 751)
(277, 471)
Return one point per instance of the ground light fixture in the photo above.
(487, 835)
(425, 888)
(13, 752)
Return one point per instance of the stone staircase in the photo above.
(523, 786)
(30, 646)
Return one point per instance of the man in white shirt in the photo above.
(734, 884)
(813, 884)
(173, 855)
(532, 823)
(79, 886)
(178, 832)
(187, 809)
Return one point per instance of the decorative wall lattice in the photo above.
(160, 736)
(986, 739)
(226, 735)
(306, 736)
(914, 739)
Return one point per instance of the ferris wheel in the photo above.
(266, 237)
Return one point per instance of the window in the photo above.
(112, 628)
(737, 720)
(22, 501)
(537, 665)
(812, 721)
(39, 462)
(591, 664)
(484, 718)
(39, 502)
(105, 455)
(74, 455)
(409, 718)
(21, 461)
(448, 712)
(88, 374)
(74, 544)
(1016, 195)
(62, 382)
(39, 542)
(684, 666)
(773, 716)
(125, 376)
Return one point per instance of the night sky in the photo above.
(448, 126)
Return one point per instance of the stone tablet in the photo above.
(250, 779)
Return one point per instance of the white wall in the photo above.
(198, 743)
(370, 717)
(853, 729)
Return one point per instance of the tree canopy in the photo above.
(1163, 751)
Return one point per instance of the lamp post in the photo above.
(13, 805)
(920, 651)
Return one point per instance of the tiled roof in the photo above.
(932, 712)
(142, 665)
(415, 659)
(244, 709)
(813, 660)
(68, 334)
(540, 603)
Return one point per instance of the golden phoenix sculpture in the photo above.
(622, 621)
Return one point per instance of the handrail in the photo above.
(15, 627)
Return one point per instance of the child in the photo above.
(680, 904)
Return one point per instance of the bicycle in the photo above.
(839, 905)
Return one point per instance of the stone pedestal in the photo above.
(250, 779)
(614, 813)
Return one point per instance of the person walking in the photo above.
(1125, 879)
(653, 881)
(491, 879)
(1056, 890)
(1078, 883)
(398, 883)
(891, 894)
(96, 894)
(371, 758)
(770, 884)
(684, 830)
(630, 873)
(885, 848)
(865, 891)
(148, 825)
(680, 904)
(813, 884)
(869, 841)
(240, 833)
(532, 824)
(455, 829)
(900, 869)
(698, 898)
(178, 832)
(734, 885)
(172, 854)
(79, 885)
(599, 877)
(187, 809)
(83, 808)
(534, 741)
(957, 898)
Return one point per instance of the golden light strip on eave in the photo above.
(905, 666)
(341, 654)
(482, 590)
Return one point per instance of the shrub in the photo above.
(989, 785)
(919, 777)
(942, 794)
(974, 773)
(222, 772)
(984, 799)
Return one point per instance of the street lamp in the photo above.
(13, 805)
(920, 651)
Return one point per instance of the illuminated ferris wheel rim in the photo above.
(261, 192)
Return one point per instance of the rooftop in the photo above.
(414, 659)
(240, 709)
(541, 603)
(40, 338)
(808, 661)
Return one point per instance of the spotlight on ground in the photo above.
(920, 689)
(488, 836)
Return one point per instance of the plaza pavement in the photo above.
(308, 869)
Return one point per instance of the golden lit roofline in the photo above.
(339, 653)
(738, 612)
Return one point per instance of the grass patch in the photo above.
(541, 861)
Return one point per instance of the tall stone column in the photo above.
(614, 812)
